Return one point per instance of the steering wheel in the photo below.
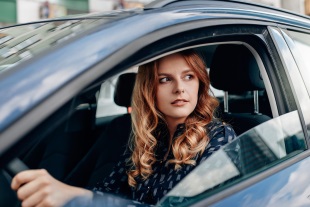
(7, 195)
(15, 166)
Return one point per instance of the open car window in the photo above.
(252, 152)
(105, 97)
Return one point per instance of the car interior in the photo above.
(79, 148)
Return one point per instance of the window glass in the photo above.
(254, 151)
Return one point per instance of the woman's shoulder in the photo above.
(217, 129)
(219, 134)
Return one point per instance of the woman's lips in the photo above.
(179, 102)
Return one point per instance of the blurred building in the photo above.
(297, 6)
(20, 11)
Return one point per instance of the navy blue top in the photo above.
(164, 177)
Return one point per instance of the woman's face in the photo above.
(177, 91)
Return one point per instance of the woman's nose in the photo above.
(179, 88)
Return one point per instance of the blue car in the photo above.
(66, 85)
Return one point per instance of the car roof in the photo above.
(240, 7)
(31, 82)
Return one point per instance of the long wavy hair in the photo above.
(146, 117)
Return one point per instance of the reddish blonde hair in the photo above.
(146, 116)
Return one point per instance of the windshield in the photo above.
(252, 152)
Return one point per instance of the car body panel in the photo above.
(289, 187)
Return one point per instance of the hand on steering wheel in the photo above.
(39, 188)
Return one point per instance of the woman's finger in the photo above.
(32, 187)
(34, 199)
(25, 177)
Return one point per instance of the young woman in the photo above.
(174, 130)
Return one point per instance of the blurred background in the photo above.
(21, 11)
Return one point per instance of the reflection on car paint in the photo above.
(287, 188)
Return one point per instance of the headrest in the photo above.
(124, 88)
(234, 69)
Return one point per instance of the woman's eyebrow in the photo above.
(168, 74)
(164, 74)
(187, 71)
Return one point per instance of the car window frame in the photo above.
(301, 67)
(296, 82)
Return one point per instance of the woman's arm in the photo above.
(39, 188)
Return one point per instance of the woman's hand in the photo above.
(39, 188)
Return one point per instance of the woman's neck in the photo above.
(172, 126)
(172, 130)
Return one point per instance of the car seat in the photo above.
(235, 71)
(111, 144)
(61, 143)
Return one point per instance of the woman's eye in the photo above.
(188, 77)
(164, 80)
